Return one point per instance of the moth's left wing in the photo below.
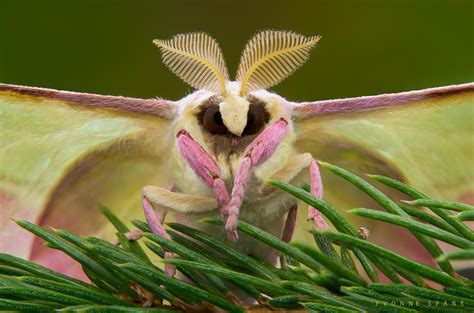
(63, 154)
(425, 138)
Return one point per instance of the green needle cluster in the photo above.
(213, 276)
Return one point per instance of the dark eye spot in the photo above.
(212, 121)
(257, 116)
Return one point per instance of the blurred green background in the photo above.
(368, 47)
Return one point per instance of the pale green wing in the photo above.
(428, 140)
(63, 154)
(425, 138)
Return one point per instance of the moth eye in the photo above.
(256, 119)
(212, 120)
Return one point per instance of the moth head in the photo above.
(233, 110)
(234, 114)
(268, 58)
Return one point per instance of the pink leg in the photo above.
(290, 224)
(317, 190)
(155, 221)
(261, 148)
(288, 229)
(203, 165)
(131, 236)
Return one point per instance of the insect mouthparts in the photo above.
(234, 141)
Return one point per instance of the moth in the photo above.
(211, 152)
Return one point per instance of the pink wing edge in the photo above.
(307, 110)
(151, 107)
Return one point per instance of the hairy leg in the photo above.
(203, 165)
(179, 202)
(257, 152)
(131, 236)
(290, 223)
(317, 190)
(289, 229)
(155, 221)
(157, 201)
(289, 172)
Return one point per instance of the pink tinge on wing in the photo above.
(317, 191)
(57, 261)
(197, 158)
(14, 239)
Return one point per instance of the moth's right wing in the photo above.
(424, 138)
(63, 154)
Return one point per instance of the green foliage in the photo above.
(322, 276)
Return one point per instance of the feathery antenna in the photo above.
(271, 56)
(197, 59)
